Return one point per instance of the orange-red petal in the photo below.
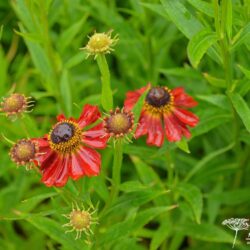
(95, 137)
(186, 117)
(172, 128)
(89, 115)
(182, 99)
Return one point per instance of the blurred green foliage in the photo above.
(201, 45)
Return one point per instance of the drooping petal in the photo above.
(133, 96)
(95, 137)
(46, 160)
(86, 161)
(155, 131)
(76, 170)
(172, 129)
(91, 161)
(182, 99)
(63, 176)
(186, 117)
(52, 172)
(142, 128)
(89, 115)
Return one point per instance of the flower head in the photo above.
(67, 151)
(237, 223)
(15, 105)
(119, 123)
(163, 110)
(24, 152)
(100, 43)
(80, 221)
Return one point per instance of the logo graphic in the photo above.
(237, 224)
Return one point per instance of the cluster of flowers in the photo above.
(69, 149)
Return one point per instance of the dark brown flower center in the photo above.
(158, 96)
(62, 132)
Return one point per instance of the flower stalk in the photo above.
(106, 95)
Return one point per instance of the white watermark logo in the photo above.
(237, 224)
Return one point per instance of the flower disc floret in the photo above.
(65, 137)
(24, 152)
(119, 123)
(15, 104)
(100, 43)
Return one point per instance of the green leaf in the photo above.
(234, 197)
(199, 44)
(1, 32)
(193, 196)
(68, 35)
(132, 224)
(206, 232)
(202, 6)
(106, 95)
(183, 145)
(157, 8)
(66, 92)
(242, 36)
(56, 232)
(241, 108)
(132, 186)
(216, 82)
(160, 235)
(181, 17)
(138, 106)
(218, 100)
(245, 71)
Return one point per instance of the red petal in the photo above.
(46, 160)
(57, 173)
(186, 117)
(61, 117)
(155, 131)
(183, 99)
(95, 137)
(86, 161)
(133, 96)
(172, 129)
(142, 128)
(89, 115)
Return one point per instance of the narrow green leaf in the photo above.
(245, 71)
(202, 6)
(242, 36)
(199, 44)
(193, 196)
(106, 95)
(138, 106)
(218, 100)
(68, 35)
(1, 32)
(181, 17)
(157, 8)
(242, 109)
(183, 145)
(56, 232)
(66, 92)
(206, 232)
(216, 82)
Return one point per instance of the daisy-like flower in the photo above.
(80, 221)
(100, 43)
(67, 151)
(164, 112)
(119, 123)
(15, 104)
(24, 152)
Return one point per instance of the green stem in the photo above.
(106, 95)
(116, 171)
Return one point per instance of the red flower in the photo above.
(67, 151)
(163, 110)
